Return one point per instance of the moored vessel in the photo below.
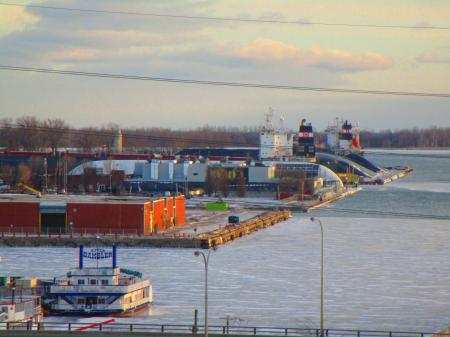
(20, 312)
(99, 290)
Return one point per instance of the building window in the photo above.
(93, 282)
(81, 282)
(104, 282)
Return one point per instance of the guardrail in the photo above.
(20, 231)
(214, 330)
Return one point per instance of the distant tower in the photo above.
(118, 141)
(269, 125)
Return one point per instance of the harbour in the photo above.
(213, 168)
(385, 286)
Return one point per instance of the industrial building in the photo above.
(90, 214)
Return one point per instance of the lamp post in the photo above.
(206, 261)
(321, 273)
(97, 237)
(13, 293)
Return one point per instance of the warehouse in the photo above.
(90, 214)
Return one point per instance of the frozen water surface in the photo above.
(380, 272)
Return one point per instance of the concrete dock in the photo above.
(219, 232)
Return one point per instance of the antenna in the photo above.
(282, 123)
(269, 115)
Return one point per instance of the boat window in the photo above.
(80, 281)
(91, 300)
(101, 300)
(104, 282)
(81, 301)
(93, 282)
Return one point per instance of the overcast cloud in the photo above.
(302, 55)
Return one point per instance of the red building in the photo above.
(91, 214)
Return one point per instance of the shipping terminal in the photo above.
(141, 199)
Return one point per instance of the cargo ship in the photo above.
(305, 147)
(99, 290)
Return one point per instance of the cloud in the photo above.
(116, 45)
(430, 57)
(15, 19)
(271, 51)
(73, 54)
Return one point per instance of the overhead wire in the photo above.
(424, 155)
(168, 139)
(172, 139)
(385, 213)
(230, 19)
(222, 83)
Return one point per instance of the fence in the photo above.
(214, 329)
(79, 232)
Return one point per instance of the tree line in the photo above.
(429, 137)
(30, 133)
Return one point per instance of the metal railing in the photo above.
(79, 232)
(216, 329)
(34, 232)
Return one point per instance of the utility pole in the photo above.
(45, 175)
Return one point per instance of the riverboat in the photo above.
(99, 290)
(20, 312)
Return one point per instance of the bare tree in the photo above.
(241, 185)
(9, 174)
(23, 173)
(209, 182)
(55, 130)
(29, 135)
(224, 182)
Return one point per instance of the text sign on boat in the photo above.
(98, 254)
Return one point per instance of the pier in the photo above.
(233, 231)
(215, 237)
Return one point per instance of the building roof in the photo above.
(106, 166)
(49, 200)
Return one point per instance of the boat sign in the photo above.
(98, 254)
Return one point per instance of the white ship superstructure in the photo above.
(100, 290)
(20, 312)
(274, 143)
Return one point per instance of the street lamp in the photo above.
(321, 273)
(206, 261)
(97, 237)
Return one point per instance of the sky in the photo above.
(388, 59)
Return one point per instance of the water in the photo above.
(381, 272)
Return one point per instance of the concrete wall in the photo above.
(164, 171)
(19, 214)
(107, 217)
(197, 172)
(261, 174)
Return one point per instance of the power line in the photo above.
(78, 132)
(228, 19)
(387, 213)
(227, 84)
(414, 155)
